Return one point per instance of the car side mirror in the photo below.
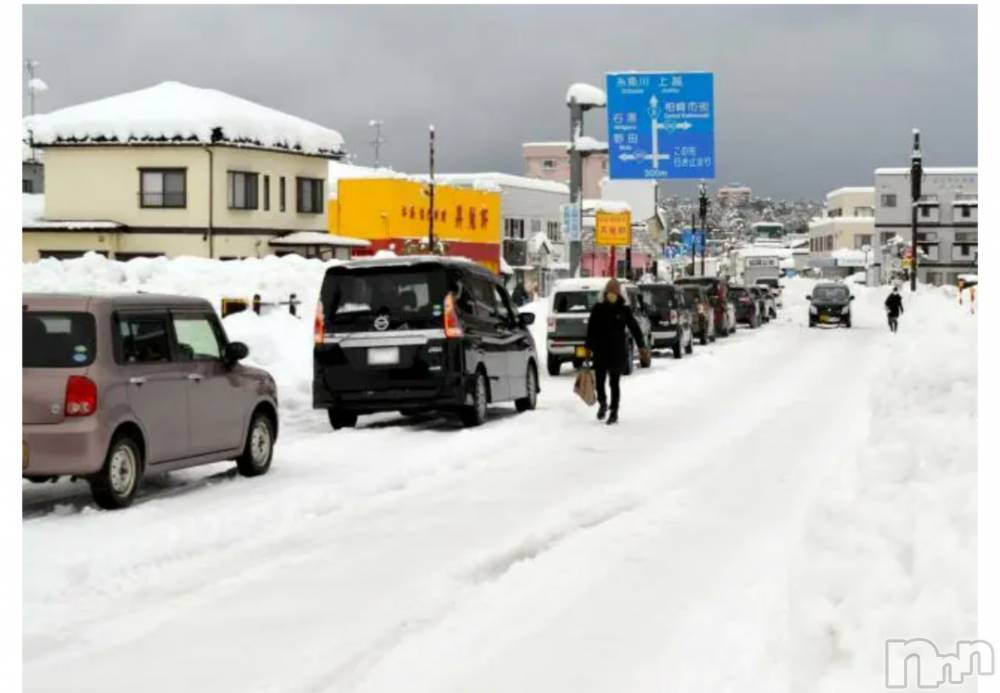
(235, 352)
(526, 319)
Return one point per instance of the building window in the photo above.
(552, 228)
(267, 193)
(28, 185)
(834, 213)
(930, 236)
(966, 210)
(309, 195)
(548, 164)
(930, 252)
(242, 190)
(861, 240)
(513, 228)
(925, 211)
(163, 187)
(536, 225)
(888, 200)
(864, 212)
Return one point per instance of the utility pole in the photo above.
(430, 216)
(694, 245)
(29, 68)
(575, 182)
(703, 213)
(378, 141)
(916, 179)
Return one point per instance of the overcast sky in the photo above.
(807, 98)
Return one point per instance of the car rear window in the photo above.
(830, 293)
(575, 301)
(57, 339)
(661, 298)
(410, 297)
(692, 294)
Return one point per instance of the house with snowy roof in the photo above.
(176, 170)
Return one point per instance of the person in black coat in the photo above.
(519, 295)
(894, 308)
(609, 319)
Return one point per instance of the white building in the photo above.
(734, 195)
(841, 242)
(947, 221)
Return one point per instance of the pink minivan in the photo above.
(116, 387)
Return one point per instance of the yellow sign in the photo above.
(613, 229)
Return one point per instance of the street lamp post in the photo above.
(378, 141)
(916, 178)
(703, 213)
(430, 216)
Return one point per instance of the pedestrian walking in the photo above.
(519, 295)
(609, 318)
(894, 308)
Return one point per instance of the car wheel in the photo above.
(528, 402)
(553, 365)
(259, 448)
(812, 323)
(703, 339)
(342, 419)
(678, 351)
(475, 414)
(847, 324)
(118, 481)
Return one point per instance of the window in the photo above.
(925, 211)
(966, 211)
(927, 236)
(163, 187)
(57, 340)
(888, 200)
(267, 193)
(861, 240)
(886, 237)
(142, 339)
(68, 254)
(536, 225)
(552, 228)
(197, 338)
(484, 303)
(281, 194)
(929, 252)
(513, 228)
(242, 190)
(548, 164)
(309, 195)
(963, 253)
(502, 301)
(864, 211)
(27, 185)
(834, 212)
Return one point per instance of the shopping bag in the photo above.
(586, 386)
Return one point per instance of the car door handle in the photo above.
(137, 380)
(196, 377)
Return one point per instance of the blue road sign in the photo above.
(661, 125)
(692, 239)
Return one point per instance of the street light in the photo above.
(702, 212)
(916, 178)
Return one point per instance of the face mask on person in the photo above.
(612, 298)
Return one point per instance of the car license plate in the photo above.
(826, 318)
(383, 356)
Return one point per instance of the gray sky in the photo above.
(807, 98)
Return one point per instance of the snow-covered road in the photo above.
(541, 552)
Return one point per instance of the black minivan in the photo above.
(417, 333)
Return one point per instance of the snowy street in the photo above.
(543, 551)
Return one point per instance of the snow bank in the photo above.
(891, 550)
(586, 95)
(172, 111)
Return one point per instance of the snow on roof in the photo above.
(592, 206)
(930, 171)
(32, 207)
(29, 154)
(496, 181)
(561, 143)
(586, 143)
(538, 241)
(319, 238)
(860, 189)
(176, 112)
(965, 203)
(763, 251)
(338, 171)
(504, 267)
(586, 95)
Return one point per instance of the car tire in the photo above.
(475, 414)
(116, 485)
(577, 364)
(531, 400)
(342, 419)
(259, 448)
(812, 323)
(678, 351)
(703, 339)
(847, 324)
(553, 365)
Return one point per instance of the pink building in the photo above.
(550, 161)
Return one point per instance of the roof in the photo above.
(560, 143)
(586, 95)
(592, 205)
(496, 181)
(404, 260)
(338, 171)
(930, 170)
(129, 299)
(172, 112)
(33, 205)
(586, 143)
(851, 189)
(319, 238)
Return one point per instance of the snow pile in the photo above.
(586, 143)
(891, 550)
(586, 95)
(176, 112)
(33, 207)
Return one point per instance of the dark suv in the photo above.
(414, 333)
(830, 303)
(718, 296)
(747, 307)
(702, 318)
(669, 317)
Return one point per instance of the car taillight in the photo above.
(744, 299)
(552, 324)
(452, 327)
(81, 396)
(319, 325)
(673, 316)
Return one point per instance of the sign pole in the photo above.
(694, 244)
(916, 176)
(614, 261)
(430, 216)
(575, 183)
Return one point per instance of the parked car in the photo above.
(115, 388)
(569, 311)
(830, 303)
(776, 288)
(419, 332)
(702, 318)
(670, 316)
(747, 306)
(765, 302)
(635, 299)
(722, 303)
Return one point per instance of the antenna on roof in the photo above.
(379, 140)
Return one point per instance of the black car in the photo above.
(669, 317)
(830, 304)
(718, 296)
(747, 309)
(417, 333)
(702, 313)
